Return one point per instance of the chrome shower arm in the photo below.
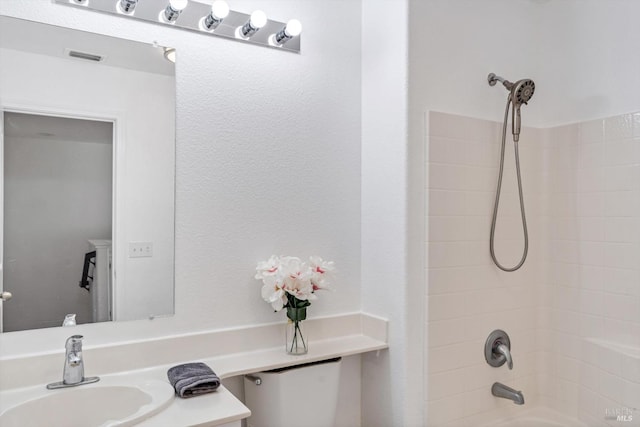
(493, 79)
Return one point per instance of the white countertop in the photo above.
(228, 352)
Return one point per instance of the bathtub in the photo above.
(538, 417)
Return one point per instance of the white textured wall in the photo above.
(586, 69)
(57, 194)
(455, 44)
(392, 277)
(268, 161)
(144, 208)
(572, 49)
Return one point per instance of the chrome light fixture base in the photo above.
(191, 19)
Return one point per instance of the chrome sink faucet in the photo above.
(73, 373)
(73, 365)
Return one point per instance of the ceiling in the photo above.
(44, 39)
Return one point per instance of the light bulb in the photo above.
(219, 9)
(127, 6)
(172, 12)
(178, 5)
(258, 19)
(293, 28)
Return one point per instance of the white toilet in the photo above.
(298, 396)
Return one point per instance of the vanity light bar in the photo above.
(214, 20)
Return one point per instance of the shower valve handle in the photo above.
(504, 350)
(497, 349)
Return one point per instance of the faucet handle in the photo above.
(497, 349)
(503, 350)
(74, 344)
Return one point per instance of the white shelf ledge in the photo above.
(273, 358)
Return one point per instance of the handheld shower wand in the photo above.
(520, 93)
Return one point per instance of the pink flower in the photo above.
(321, 272)
(289, 275)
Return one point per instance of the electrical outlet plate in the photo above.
(140, 249)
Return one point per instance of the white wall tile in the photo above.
(620, 153)
(622, 281)
(593, 204)
(620, 178)
(618, 127)
(479, 202)
(446, 306)
(444, 384)
(636, 124)
(446, 177)
(446, 150)
(630, 368)
(621, 255)
(622, 203)
(581, 281)
(444, 202)
(631, 395)
(622, 307)
(591, 277)
(591, 302)
(611, 385)
(590, 228)
(447, 228)
(590, 131)
(592, 155)
(592, 326)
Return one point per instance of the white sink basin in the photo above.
(110, 402)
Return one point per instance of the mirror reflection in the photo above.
(88, 177)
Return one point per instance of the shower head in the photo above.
(521, 93)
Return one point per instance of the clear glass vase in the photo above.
(296, 341)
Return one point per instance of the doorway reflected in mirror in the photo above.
(127, 90)
(57, 202)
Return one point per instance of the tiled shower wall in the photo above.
(468, 297)
(580, 284)
(592, 178)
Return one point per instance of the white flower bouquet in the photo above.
(289, 282)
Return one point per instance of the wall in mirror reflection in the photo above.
(44, 262)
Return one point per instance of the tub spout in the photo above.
(505, 392)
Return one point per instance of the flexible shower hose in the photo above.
(497, 202)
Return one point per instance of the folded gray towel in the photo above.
(192, 379)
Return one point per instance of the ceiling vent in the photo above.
(84, 55)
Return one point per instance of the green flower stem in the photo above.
(304, 345)
(297, 312)
(297, 334)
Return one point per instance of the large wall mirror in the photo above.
(87, 137)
